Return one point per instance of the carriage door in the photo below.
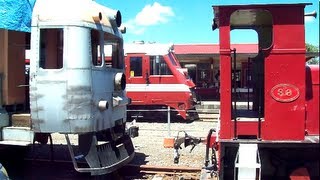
(137, 78)
(48, 80)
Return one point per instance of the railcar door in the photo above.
(137, 78)
(48, 80)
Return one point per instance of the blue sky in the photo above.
(187, 21)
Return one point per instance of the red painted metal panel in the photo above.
(246, 128)
(284, 120)
(313, 102)
(225, 85)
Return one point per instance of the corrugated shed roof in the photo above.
(212, 48)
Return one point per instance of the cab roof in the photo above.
(73, 11)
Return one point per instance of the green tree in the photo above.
(312, 48)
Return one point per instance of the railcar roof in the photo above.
(72, 11)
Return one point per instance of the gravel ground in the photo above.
(148, 147)
(149, 144)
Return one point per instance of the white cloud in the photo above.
(132, 27)
(154, 14)
(150, 15)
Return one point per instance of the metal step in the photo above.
(21, 120)
(20, 136)
(248, 162)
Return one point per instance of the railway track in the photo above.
(62, 169)
(206, 110)
(163, 172)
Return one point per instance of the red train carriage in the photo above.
(278, 137)
(156, 80)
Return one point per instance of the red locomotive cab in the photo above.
(156, 80)
(277, 134)
(278, 72)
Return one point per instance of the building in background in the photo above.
(203, 62)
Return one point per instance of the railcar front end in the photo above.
(72, 91)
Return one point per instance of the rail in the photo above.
(133, 170)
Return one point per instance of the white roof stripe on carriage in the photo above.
(151, 49)
(157, 88)
(148, 48)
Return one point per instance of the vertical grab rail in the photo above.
(247, 83)
(234, 94)
(261, 89)
(169, 121)
(259, 115)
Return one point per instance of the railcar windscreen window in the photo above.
(158, 66)
(51, 48)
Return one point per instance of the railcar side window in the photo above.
(135, 66)
(158, 66)
(51, 48)
(95, 48)
(113, 51)
(108, 55)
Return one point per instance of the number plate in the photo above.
(285, 92)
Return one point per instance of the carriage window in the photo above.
(95, 48)
(158, 66)
(135, 66)
(51, 48)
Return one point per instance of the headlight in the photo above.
(119, 81)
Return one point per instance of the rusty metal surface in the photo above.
(66, 100)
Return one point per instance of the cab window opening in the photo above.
(95, 48)
(248, 74)
(51, 48)
(112, 52)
